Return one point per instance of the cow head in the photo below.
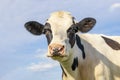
(60, 30)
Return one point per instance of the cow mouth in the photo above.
(57, 56)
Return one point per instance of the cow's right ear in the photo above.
(34, 27)
(86, 24)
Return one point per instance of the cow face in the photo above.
(60, 30)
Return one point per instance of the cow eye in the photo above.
(71, 32)
(73, 29)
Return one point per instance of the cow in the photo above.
(82, 56)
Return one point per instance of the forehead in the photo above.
(60, 20)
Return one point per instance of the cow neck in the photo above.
(70, 67)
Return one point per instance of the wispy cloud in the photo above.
(44, 64)
(41, 66)
(115, 6)
(41, 53)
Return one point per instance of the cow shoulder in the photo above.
(100, 41)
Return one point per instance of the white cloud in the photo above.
(41, 66)
(41, 53)
(44, 64)
(115, 6)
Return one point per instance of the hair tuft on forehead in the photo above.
(61, 14)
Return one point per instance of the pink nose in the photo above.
(56, 49)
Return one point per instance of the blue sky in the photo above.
(22, 55)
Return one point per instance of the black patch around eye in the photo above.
(80, 45)
(71, 34)
(49, 37)
(71, 37)
(47, 31)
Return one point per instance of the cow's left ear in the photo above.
(86, 24)
(34, 27)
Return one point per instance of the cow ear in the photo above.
(86, 24)
(34, 27)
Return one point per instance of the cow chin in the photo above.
(59, 58)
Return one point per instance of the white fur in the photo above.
(60, 22)
(101, 62)
(105, 59)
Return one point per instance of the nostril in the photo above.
(61, 49)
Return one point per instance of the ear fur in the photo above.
(34, 27)
(86, 24)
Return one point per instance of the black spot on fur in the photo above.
(113, 44)
(71, 34)
(75, 63)
(79, 44)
